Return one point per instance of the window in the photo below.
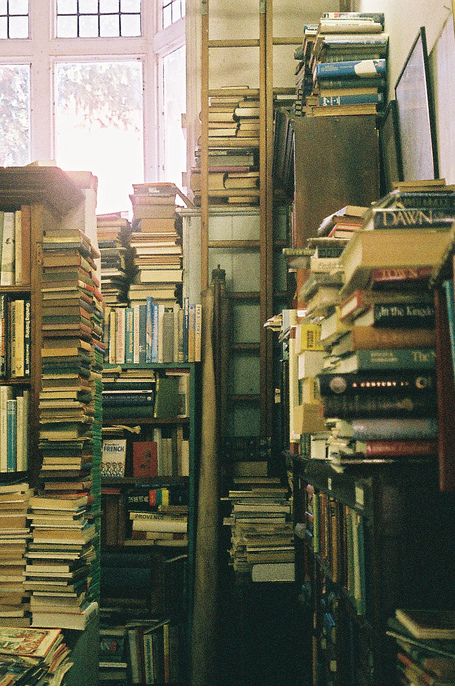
(172, 11)
(85, 95)
(98, 18)
(13, 18)
(174, 104)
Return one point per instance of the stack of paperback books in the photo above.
(233, 143)
(113, 234)
(64, 526)
(14, 536)
(343, 66)
(157, 257)
(33, 656)
(261, 532)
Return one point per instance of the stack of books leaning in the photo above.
(113, 233)
(342, 67)
(261, 532)
(61, 556)
(425, 646)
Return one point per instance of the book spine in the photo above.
(191, 331)
(7, 274)
(18, 277)
(186, 306)
(19, 307)
(403, 315)
(394, 429)
(433, 199)
(448, 287)
(129, 334)
(3, 333)
(198, 332)
(376, 338)
(354, 83)
(148, 330)
(155, 332)
(400, 218)
(136, 332)
(384, 277)
(362, 405)
(120, 336)
(27, 337)
(11, 434)
(400, 447)
(360, 69)
(126, 399)
(112, 357)
(353, 99)
(353, 383)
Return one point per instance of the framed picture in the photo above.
(416, 119)
(389, 141)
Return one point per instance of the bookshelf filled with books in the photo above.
(50, 566)
(149, 482)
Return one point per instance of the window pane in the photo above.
(130, 5)
(109, 25)
(107, 6)
(67, 6)
(167, 16)
(3, 7)
(130, 25)
(18, 27)
(174, 104)
(88, 6)
(67, 27)
(99, 126)
(18, 6)
(15, 114)
(88, 27)
(3, 28)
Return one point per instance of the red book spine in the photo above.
(145, 459)
(401, 448)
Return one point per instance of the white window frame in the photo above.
(42, 50)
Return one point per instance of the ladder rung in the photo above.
(254, 92)
(244, 397)
(235, 43)
(232, 243)
(287, 40)
(244, 295)
(245, 346)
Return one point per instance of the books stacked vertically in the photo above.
(233, 143)
(348, 65)
(261, 531)
(425, 640)
(14, 424)
(15, 247)
(15, 323)
(155, 240)
(153, 332)
(33, 656)
(380, 362)
(64, 526)
(113, 233)
(14, 536)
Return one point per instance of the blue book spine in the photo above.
(129, 330)
(354, 99)
(11, 434)
(148, 329)
(361, 69)
(155, 333)
(142, 333)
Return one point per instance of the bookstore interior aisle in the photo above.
(227, 431)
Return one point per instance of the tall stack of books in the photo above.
(346, 58)
(233, 143)
(14, 536)
(157, 257)
(60, 570)
(261, 531)
(378, 388)
(113, 234)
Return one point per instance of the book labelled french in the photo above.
(348, 69)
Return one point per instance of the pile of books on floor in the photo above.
(113, 234)
(261, 532)
(342, 65)
(153, 332)
(61, 554)
(156, 244)
(425, 640)
(233, 143)
(33, 656)
(375, 378)
(14, 536)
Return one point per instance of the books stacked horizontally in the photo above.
(155, 240)
(113, 234)
(14, 536)
(63, 520)
(425, 640)
(348, 65)
(33, 656)
(167, 525)
(153, 332)
(378, 386)
(233, 143)
(261, 532)
(15, 260)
